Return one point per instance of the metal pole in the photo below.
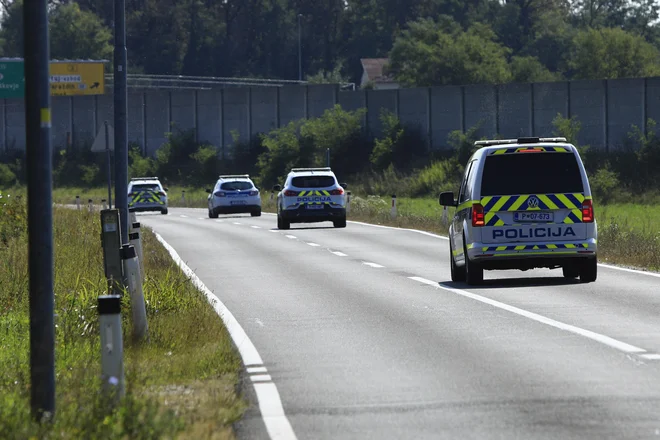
(40, 208)
(327, 157)
(121, 127)
(109, 160)
(299, 51)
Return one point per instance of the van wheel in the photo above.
(474, 272)
(164, 211)
(589, 270)
(341, 223)
(213, 214)
(570, 271)
(457, 273)
(282, 224)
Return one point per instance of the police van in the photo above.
(311, 195)
(523, 204)
(147, 194)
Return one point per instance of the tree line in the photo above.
(428, 42)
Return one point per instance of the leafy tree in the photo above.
(436, 53)
(530, 69)
(612, 53)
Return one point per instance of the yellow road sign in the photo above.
(76, 78)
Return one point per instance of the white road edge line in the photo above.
(290, 236)
(443, 237)
(256, 227)
(252, 370)
(650, 356)
(314, 244)
(238, 223)
(261, 378)
(372, 264)
(183, 216)
(339, 254)
(270, 404)
(622, 346)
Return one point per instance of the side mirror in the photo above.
(447, 199)
(166, 189)
(277, 188)
(344, 185)
(208, 191)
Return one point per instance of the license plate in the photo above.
(238, 202)
(314, 206)
(533, 216)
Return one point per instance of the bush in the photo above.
(282, 153)
(570, 129)
(647, 172)
(605, 185)
(440, 176)
(400, 146)
(13, 217)
(463, 143)
(7, 176)
(138, 165)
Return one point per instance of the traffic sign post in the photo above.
(105, 143)
(12, 78)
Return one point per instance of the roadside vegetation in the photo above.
(182, 383)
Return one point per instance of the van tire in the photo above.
(282, 224)
(570, 271)
(457, 273)
(589, 270)
(474, 272)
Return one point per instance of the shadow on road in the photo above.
(504, 283)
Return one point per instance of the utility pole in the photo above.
(40, 208)
(121, 127)
(299, 50)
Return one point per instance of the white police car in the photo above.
(311, 195)
(147, 194)
(234, 194)
(523, 203)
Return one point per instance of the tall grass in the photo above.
(181, 384)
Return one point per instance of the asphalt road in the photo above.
(365, 337)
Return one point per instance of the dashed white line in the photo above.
(367, 263)
(256, 227)
(339, 254)
(219, 221)
(270, 403)
(201, 218)
(606, 340)
(261, 378)
(183, 216)
(650, 356)
(314, 244)
(290, 236)
(273, 230)
(253, 370)
(237, 223)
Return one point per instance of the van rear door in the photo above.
(532, 194)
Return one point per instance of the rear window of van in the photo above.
(531, 173)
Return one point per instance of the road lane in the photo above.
(360, 351)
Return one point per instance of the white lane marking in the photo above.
(313, 244)
(650, 356)
(219, 221)
(238, 223)
(339, 254)
(372, 264)
(625, 269)
(183, 216)
(253, 370)
(622, 346)
(270, 404)
(290, 236)
(273, 230)
(201, 218)
(261, 378)
(255, 227)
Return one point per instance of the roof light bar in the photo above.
(295, 170)
(234, 176)
(523, 140)
(144, 178)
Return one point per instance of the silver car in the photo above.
(311, 195)
(234, 194)
(523, 203)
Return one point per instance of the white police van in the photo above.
(523, 204)
(311, 195)
(147, 194)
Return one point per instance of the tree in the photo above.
(437, 53)
(612, 53)
(530, 69)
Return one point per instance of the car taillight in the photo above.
(587, 211)
(290, 193)
(478, 217)
(337, 192)
(219, 194)
(254, 193)
(131, 194)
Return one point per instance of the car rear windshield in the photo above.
(531, 173)
(313, 181)
(236, 186)
(145, 187)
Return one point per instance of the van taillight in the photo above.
(219, 194)
(337, 192)
(587, 211)
(478, 217)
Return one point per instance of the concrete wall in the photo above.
(607, 111)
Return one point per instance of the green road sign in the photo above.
(12, 79)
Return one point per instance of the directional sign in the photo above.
(12, 80)
(99, 144)
(76, 78)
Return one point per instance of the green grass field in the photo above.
(181, 384)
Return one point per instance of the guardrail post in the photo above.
(112, 346)
(348, 202)
(444, 215)
(78, 202)
(90, 206)
(393, 210)
(272, 194)
(132, 273)
(105, 205)
(135, 239)
(183, 197)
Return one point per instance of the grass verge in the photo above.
(181, 384)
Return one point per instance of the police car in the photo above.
(147, 194)
(234, 194)
(523, 204)
(311, 195)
